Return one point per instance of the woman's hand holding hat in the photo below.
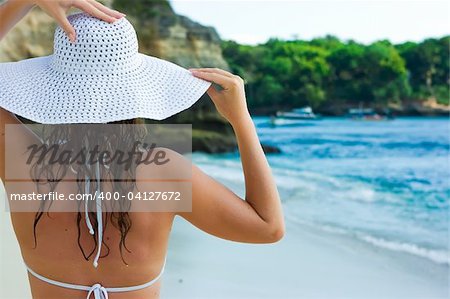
(58, 8)
(230, 101)
(12, 11)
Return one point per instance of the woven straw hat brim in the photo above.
(156, 90)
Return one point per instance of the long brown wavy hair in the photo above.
(72, 138)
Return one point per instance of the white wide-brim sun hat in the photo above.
(98, 79)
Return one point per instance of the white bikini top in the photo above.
(99, 291)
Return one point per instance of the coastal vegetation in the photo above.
(331, 75)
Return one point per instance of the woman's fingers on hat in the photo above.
(219, 79)
(93, 11)
(111, 12)
(62, 20)
(215, 70)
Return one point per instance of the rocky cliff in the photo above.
(162, 33)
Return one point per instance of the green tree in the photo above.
(428, 67)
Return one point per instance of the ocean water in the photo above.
(385, 183)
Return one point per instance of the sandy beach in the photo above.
(307, 263)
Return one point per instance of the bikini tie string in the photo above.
(99, 292)
(98, 206)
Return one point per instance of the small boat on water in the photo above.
(298, 113)
(367, 114)
(294, 116)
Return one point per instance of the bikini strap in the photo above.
(99, 291)
(98, 207)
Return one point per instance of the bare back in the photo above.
(58, 256)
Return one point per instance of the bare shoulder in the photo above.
(16, 142)
(7, 117)
(22, 132)
(165, 173)
(165, 164)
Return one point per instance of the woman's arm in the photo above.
(12, 11)
(215, 208)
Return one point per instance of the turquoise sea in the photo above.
(384, 183)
